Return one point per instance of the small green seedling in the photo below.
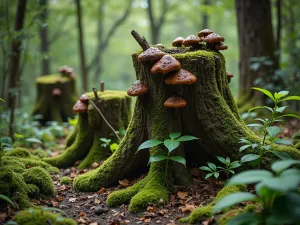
(277, 195)
(107, 142)
(215, 171)
(171, 144)
(269, 131)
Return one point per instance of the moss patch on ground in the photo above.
(24, 176)
(39, 217)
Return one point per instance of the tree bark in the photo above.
(205, 15)
(84, 74)
(210, 114)
(44, 45)
(14, 63)
(255, 40)
(84, 142)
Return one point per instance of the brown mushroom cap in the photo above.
(204, 33)
(175, 102)
(181, 77)
(177, 42)
(79, 107)
(191, 39)
(165, 65)
(213, 38)
(84, 98)
(56, 92)
(221, 46)
(151, 54)
(159, 45)
(138, 88)
(229, 76)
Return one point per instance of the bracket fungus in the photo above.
(229, 76)
(175, 102)
(181, 77)
(178, 42)
(192, 41)
(79, 107)
(138, 88)
(151, 54)
(203, 33)
(166, 64)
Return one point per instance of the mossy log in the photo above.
(56, 95)
(210, 114)
(84, 142)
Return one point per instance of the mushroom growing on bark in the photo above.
(192, 41)
(178, 42)
(151, 54)
(79, 107)
(56, 92)
(181, 77)
(229, 76)
(165, 65)
(159, 45)
(84, 98)
(138, 88)
(175, 102)
(221, 46)
(212, 40)
(203, 33)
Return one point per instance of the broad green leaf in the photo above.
(282, 94)
(205, 168)
(187, 138)
(234, 165)
(249, 177)
(273, 131)
(245, 141)
(6, 140)
(208, 175)
(113, 147)
(227, 160)
(266, 92)
(290, 98)
(233, 199)
(254, 125)
(149, 144)
(261, 120)
(244, 147)
(284, 164)
(157, 158)
(249, 158)
(171, 144)
(216, 175)
(2, 100)
(283, 142)
(33, 140)
(7, 199)
(18, 136)
(174, 135)
(289, 115)
(282, 184)
(245, 219)
(282, 155)
(281, 109)
(179, 159)
(221, 159)
(260, 107)
(212, 166)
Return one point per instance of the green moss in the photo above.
(51, 79)
(65, 180)
(205, 212)
(39, 177)
(41, 217)
(19, 152)
(39, 153)
(297, 146)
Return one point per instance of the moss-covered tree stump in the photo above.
(84, 142)
(210, 114)
(56, 94)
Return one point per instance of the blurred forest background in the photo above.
(50, 39)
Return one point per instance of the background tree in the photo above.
(44, 42)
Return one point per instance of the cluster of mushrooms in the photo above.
(166, 65)
(81, 105)
(206, 39)
(66, 71)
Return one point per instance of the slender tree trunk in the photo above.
(44, 45)
(205, 15)
(81, 47)
(14, 63)
(255, 40)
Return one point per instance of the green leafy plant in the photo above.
(107, 142)
(267, 129)
(215, 171)
(171, 144)
(277, 195)
(7, 199)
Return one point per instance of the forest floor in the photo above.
(91, 209)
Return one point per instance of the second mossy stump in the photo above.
(56, 94)
(84, 142)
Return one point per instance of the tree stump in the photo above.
(210, 114)
(56, 94)
(84, 142)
